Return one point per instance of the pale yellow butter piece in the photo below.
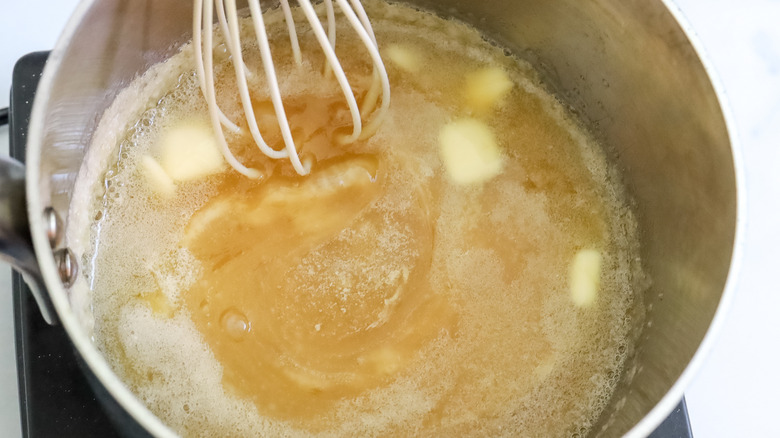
(486, 87)
(469, 151)
(190, 151)
(585, 277)
(159, 304)
(405, 58)
(156, 178)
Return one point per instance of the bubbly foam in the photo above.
(516, 357)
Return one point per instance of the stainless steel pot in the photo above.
(626, 68)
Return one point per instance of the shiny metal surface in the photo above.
(54, 226)
(15, 241)
(16, 246)
(626, 68)
(67, 266)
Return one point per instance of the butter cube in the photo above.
(469, 151)
(190, 151)
(585, 277)
(486, 87)
(405, 58)
(156, 179)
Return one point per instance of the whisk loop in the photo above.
(227, 16)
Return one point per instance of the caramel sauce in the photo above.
(293, 351)
(373, 296)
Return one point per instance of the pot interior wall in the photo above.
(624, 67)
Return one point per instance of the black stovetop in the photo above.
(55, 397)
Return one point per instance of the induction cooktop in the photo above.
(55, 397)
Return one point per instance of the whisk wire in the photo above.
(366, 34)
(276, 95)
(338, 71)
(296, 48)
(361, 13)
(227, 16)
(241, 82)
(196, 42)
(369, 101)
(331, 19)
(223, 26)
(207, 69)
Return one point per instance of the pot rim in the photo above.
(81, 341)
(140, 413)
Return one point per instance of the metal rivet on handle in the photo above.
(53, 225)
(67, 266)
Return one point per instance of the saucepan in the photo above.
(629, 70)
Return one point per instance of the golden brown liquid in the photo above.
(374, 296)
(297, 345)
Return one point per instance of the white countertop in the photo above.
(735, 394)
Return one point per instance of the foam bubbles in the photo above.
(517, 355)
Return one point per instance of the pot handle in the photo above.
(16, 246)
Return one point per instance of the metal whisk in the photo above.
(229, 24)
